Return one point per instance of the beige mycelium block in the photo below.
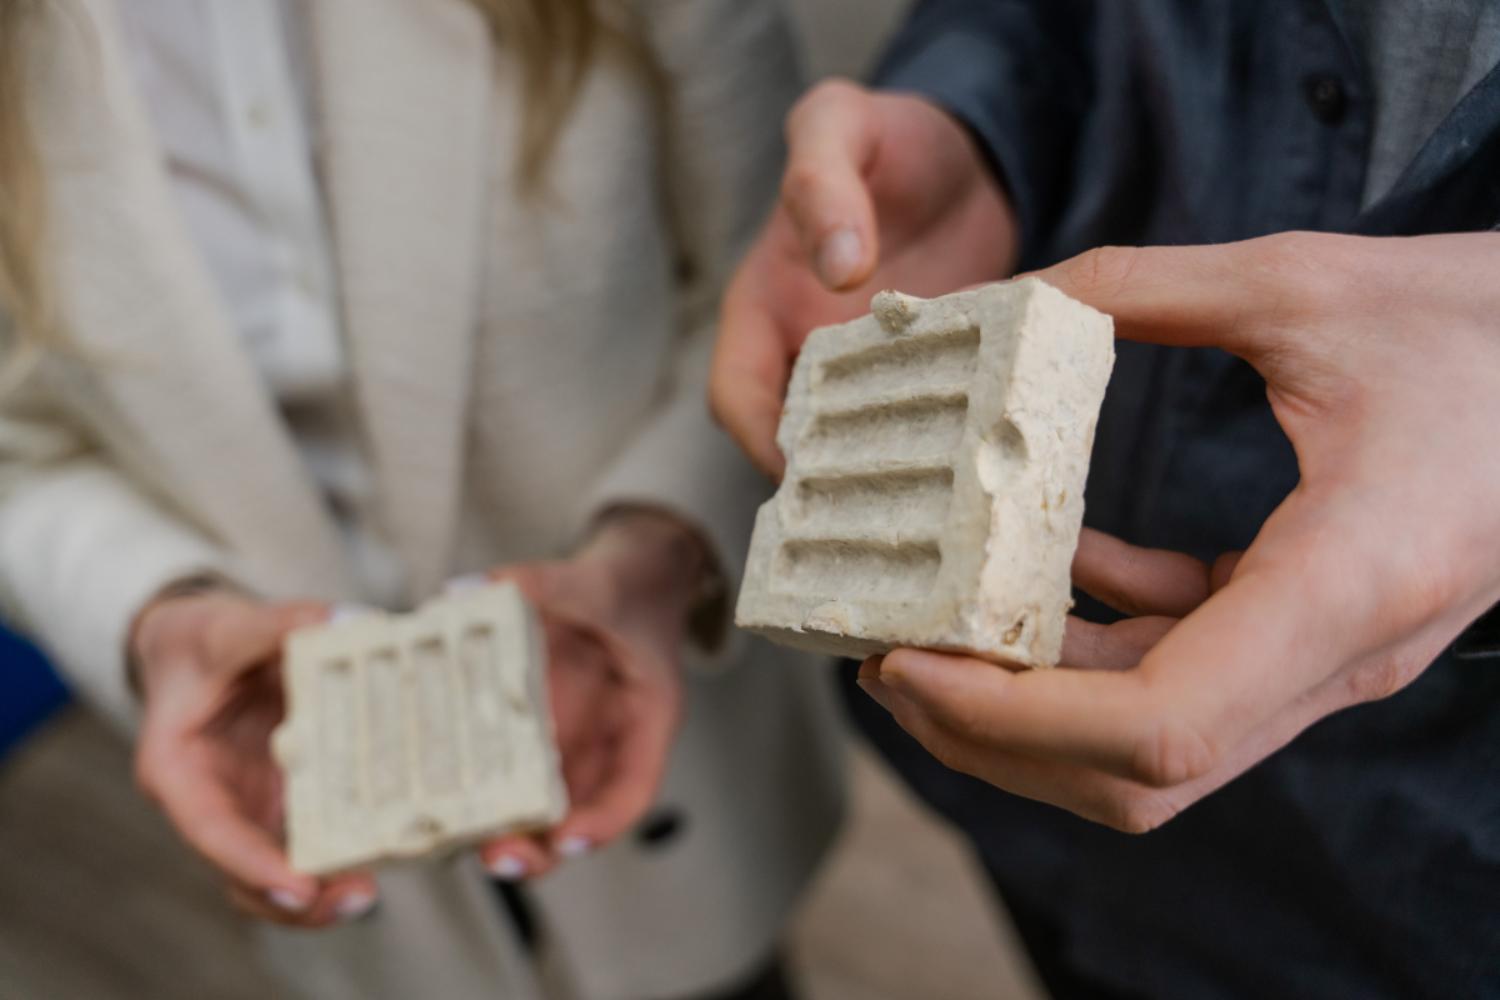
(936, 457)
(409, 733)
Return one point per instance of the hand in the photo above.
(1382, 359)
(615, 616)
(881, 191)
(210, 680)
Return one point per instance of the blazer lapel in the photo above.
(175, 390)
(404, 91)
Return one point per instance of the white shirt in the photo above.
(228, 87)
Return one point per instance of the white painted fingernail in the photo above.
(285, 899)
(574, 847)
(839, 257)
(348, 611)
(508, 868)
(355, 905)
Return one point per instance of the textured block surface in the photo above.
(408, 733)
(936, 458)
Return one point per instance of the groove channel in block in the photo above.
(882, 571)
(341, 785)
(907, 365)
(902, 502)
(892, 430)
(486, 711)
(439, 718)
(387, 753)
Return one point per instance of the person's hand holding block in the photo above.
(408, 734)
(936, 458)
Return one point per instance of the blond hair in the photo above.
(25, 306)
(554, 41)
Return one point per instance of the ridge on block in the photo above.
(409, 733)
(936, 458)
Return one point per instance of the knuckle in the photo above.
(945, 754)
(1138, 814)
(1430, 590)
(1172, 752)
(945, 751)
(966, 717)
(1292, 268)
(799, 188)
(834, 92)
(1378, 680)
(1105, 270)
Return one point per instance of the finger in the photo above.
(258, 906)
(751, 368)
(1236, 662)
(540, 582)
(342, 899)
(1238, 296)
(1136, 580)
(211, 822)
(239, 640)
(1223, 571)
(832, 138)
(515, 857)
(1106, 798)
(640, 762)
(1086, 792)
(1116, 646)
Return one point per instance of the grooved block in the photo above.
(936, 458)
(409, 733)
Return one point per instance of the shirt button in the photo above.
(1326, 97)
(661, 828)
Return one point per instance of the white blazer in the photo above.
(517, 367)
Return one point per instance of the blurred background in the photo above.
(97, 901)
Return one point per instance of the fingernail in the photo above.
(286, 899)
(348, 611)
(355, 905)
(508, 868)
(464, 584)
(574, 847)
(839, 257)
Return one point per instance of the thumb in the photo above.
(256, 632)
(543, 584)
(832, 136)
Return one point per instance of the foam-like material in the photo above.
(936, 458)
(410, 733)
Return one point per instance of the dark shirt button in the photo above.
(660, 828)
(1327, 97)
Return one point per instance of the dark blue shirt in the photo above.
(1364, 859)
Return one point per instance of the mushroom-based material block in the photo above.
(409, 733)
(936, 457)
